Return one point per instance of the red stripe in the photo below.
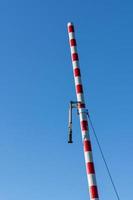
(72, 42)
(75, 57)
(81, 105)
(87, 145)
(70, 28)
(77, 72)
(79, 88)
(84, 125)
(90, 168)
(93, 192)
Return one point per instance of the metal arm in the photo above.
(73, 104)
(70, 124)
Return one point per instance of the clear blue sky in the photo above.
(36, 84)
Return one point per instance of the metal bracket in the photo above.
(73, 104)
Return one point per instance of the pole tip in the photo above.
(69, 24)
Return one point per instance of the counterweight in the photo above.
(91, 177)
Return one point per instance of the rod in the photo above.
(70, 124)
(90, 170)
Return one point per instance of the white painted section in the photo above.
(75, 64)
(77, 80)
(85, 135)
(95, 199)
(88, 156)
(73, 49)
(69, 23)
(83, 116)
(82, 110)
(71, 35)
(80, 97)
(91, 179)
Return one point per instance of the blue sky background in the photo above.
(36, 85)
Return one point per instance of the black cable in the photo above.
(103, 157)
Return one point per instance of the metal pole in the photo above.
(91, 177)
(70, 124)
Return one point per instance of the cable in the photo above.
(103, 157)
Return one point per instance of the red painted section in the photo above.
(90, 168)
(87, 145)
(79, 88)
(75, 57)
(76, 72)
(81, 105)
(93, 192)
(70, 28)
(72, 42)
(84, 125)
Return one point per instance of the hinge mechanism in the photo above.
(73, 104)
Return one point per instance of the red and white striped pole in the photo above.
(91, 177)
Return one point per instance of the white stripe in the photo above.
(88, 156)
(91, 179)
(82, 110)
(71, 35)
(80, 97)
(95, 199)
(83, 116)
(77, 80)
(69, 24)
(75, 64)
(73, 49)
(85, 135)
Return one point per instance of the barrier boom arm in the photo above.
(90, 170)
